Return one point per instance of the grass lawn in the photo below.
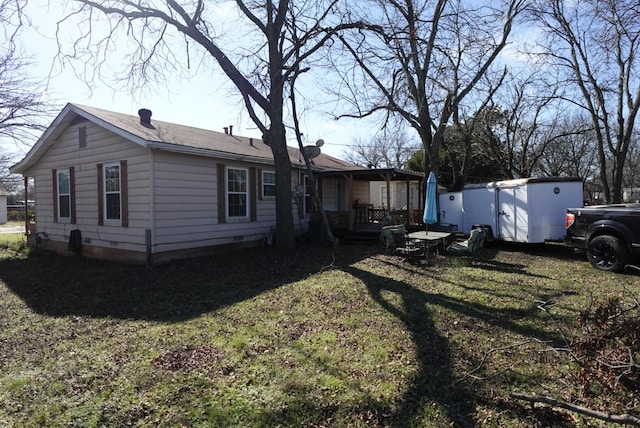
(345, 337)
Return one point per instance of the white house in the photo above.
(3, 206)
(397, 195)
(125, 187)
(143, 190)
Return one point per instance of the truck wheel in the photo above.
(608, 253)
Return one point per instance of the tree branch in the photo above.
(624, 418)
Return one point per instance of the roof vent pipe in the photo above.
(226, 130)
(230, 129)
(251, 141)
(145, 116)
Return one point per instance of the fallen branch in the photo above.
(488, 354)
(329, 266)
(624, 418)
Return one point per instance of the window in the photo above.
(268, 184)
(64, 209)
(112, 195)
(64, 195)
(237, 193)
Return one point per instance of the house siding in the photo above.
(186, 205)
(360, 191)
(171, 190)
(103, 147)
(398, 195)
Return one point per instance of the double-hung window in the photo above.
(268, 184)
(64, 195)
(112, 194)
(237, 193)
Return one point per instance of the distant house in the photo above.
(398, 197)
(124, 187)
(3, 206)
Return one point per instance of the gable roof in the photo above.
(171, 137)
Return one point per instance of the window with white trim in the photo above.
(112, 194)
(237, 192)
(268, 184)
(64, 195)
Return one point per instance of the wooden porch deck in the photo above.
(364, 226)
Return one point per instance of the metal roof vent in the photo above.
(145, 116)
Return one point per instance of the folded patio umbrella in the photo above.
(430, 215)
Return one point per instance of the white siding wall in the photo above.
(398, 194)
(330, 194)
(3, 209)
(102, 147)
(360, 190)
(186, 205)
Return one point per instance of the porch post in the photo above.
(388, 178)
(349, 182)
(409, 210)
(26, 206)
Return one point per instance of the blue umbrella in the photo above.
(430, 215)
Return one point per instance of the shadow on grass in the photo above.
(62, 286)
(434, 382)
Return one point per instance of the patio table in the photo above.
(429, 239)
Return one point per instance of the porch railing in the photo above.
(344, 219)
(339, 219)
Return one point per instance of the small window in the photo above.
(268, 184)
(64, 195)
(112, 194)
(237, 193)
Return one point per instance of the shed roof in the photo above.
(172, 137)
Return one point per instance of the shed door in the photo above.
(506, 214)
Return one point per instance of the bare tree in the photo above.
(593, 45)
(631, 190)
(20, 106)
(9, 182)
(388, 149)
(422, 59)
(530, 123)
(573, 153)
(272, 44)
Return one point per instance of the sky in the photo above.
(199, 100)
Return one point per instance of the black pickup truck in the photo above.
(609, 233)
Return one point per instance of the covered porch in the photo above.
(353, 207)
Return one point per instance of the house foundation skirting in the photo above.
(141, 257)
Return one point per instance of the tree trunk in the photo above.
(276, 139)
(618, 177)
